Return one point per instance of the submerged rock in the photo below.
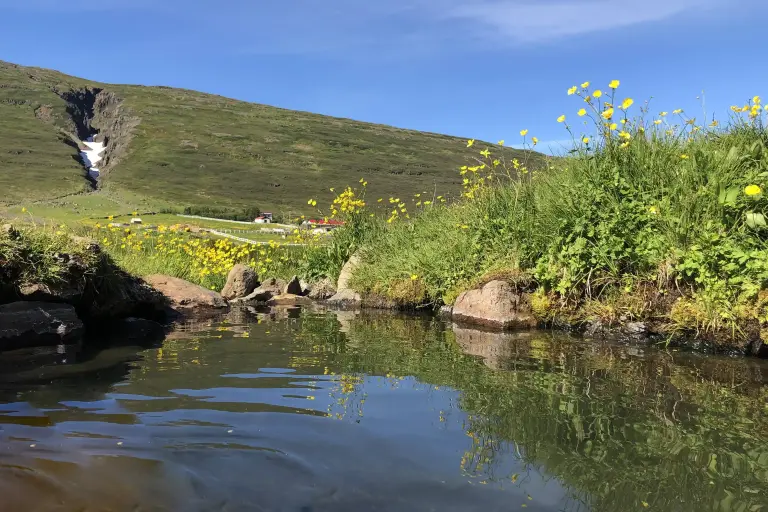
(35, 324)
(185, 296)
(496, 305)
(241, 281)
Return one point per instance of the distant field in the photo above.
(190, 148)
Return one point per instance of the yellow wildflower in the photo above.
(561, 119)
(598, 93)
(470, 143)
(572, 90)
(523, 133)
(684, 156)
(535, 140)
(585, 85)
(585, 140)
(414, 277)
(752, 190)
(607, 113)
(627, 103)
(677, 111)
(756, 100)
(614, 84)
(658, 121)
(582, 112)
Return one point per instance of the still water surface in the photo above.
(321, 411)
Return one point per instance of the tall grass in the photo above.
(651, 204)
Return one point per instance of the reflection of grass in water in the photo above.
(626, 430)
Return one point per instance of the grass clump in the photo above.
(648, 209)
(46, 256)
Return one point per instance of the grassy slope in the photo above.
(195, 148)
(35, 162)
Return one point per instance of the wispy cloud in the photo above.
(527, 21)
(352, 27)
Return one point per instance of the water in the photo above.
(322, 411)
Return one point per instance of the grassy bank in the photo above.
(654, 217)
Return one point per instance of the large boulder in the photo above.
(345, 276)
(495, 305)
(185, 296)
(241, 281)
(346, 296)
(37, 324)
(322, 289)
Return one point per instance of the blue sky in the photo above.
(473, 68)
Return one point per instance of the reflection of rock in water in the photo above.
(493, 347)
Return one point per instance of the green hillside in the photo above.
(180, 147)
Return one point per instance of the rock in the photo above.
(635, 329)
(257, 295)
(445, 312)
(241, 281)
(288, 299)
(293, 287)
(276, 286)
(125, 296)
(305, 288)
(322, 289)
(35, 324)
(758, 348)
(494, 305)
(345, 297)
(185, 296)
(345, 276)
(43, 293)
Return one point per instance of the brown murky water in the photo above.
(304, 411)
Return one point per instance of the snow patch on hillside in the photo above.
(92, 156)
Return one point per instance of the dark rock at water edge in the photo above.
(293, 287)
(34, 324)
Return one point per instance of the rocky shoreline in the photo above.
(45, 316)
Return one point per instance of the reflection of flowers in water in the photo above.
(481, 460)
(347, 396)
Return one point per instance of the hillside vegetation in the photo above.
(179, 147)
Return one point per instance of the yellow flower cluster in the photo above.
(348, 202)
(199, 257)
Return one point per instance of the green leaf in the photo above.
(729, 196)
(755, 220)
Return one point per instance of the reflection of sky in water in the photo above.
(279, 421)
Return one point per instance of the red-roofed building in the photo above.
(325, 224)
